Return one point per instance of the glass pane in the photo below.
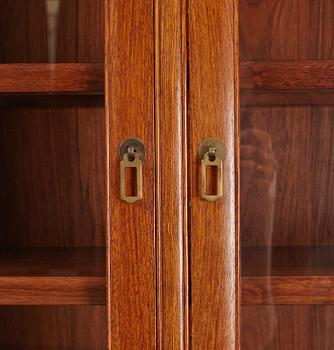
(42, 31)
(287, 174)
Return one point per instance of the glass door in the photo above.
(287, 174)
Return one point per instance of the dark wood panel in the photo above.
(285, 75)
(52, 290)
(280, 29)
(51, 31)
(287, 275)
(213, 104)
(279, 290)
(170, 111)
(287, 261)
(52, 262)
(287, 328)
(287, 169)
(131, 234)
(52, 181)
(287, 98)
(55, 78)
(47, 276)
(50, 327)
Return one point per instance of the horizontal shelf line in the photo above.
(274, 290)
(287, 275)
(52, 78)
(249, 98)
(52, 276)
(52, 291)
(287, 75)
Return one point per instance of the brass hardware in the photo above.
(132, 153)
(212, 152)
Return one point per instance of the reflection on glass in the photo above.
(52, 7)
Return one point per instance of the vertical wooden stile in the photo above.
(131, 229)
(213, 105)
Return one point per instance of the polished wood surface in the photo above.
(287, 275)
(52, 262)
(52, 177)
(52, 290)
(52, 327)
(31, 34)
(286, 176)
(286, 75)
(55, 78)
(130, 113)
(286, 30)
(287, 327)
(52, 180)
(287, 98)
(286, 50)
(171, 201)
(213, 113)
(52, 276)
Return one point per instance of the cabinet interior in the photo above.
(52, 179)
(286, 168)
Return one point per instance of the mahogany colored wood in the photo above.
(52, 181)
(131, 228)
(287, 75)
(287, 98)
(47, 276)
(171, 200)
(52, 262)
(287, 169)
(52, 290)
(55, 78)
(31, 34)
(287, 290)
(286, 30)
(287, 327)
(213, 109)
(287, 261)
(52, 327)
(287, 275)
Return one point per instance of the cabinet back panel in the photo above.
(287, 172)
(50, 328)
(287, 327)
(36, 31)
(52, 178)
(286, 29)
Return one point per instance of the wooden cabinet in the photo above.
(227, 248)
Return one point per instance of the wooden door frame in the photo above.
(160, 295)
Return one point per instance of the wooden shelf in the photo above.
(287, 75)
(52, 78)
(293, 276)
(52, 276)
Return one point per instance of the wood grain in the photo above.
(287, 275)
(52, 290)
(71, 327)
(130, 113)
(52, 262)
(213, 238)
(285, 75)
(170, 114)
(55, 78)
(286, 30)
(286, 176)
(287, 327)
(52, 276)
(52, 177)
(27, 34)
(277, 290)
(287, 98)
